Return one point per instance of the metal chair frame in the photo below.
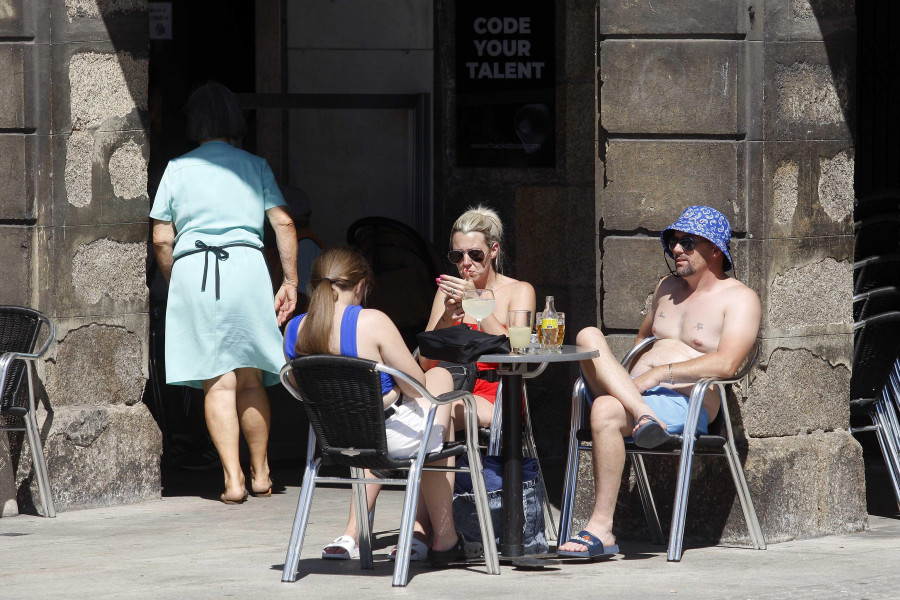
(528, 443)
(581, 399)
(27, 414)
(415, 466)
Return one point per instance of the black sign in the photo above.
(505, 82)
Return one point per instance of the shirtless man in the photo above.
(706, 324)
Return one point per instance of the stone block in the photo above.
(99, 86)
(806, 190)
(8, 505)
(809, 91)
(649, 183)
(669, 87)
(618, 17)
(562, 254)
(805, 285)
(801, 385)
(802, 486)
(100, 270)
(16, 250)
(97, 456)
(810, 20)
(360, 24)
(620, 344)
(74, 376)
(16, 200)
(122, 21)
(12, 93)
(14, 20)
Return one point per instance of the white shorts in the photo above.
(405, 429)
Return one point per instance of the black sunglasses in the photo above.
(687, 243)
(456, 256)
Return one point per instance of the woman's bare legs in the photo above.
(256, 418)
(437, 381)
(220, 407)
(234, 401)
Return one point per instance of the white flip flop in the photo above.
(347, 544)
(418, 551)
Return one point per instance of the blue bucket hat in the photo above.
(703, 221)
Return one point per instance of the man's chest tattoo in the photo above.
(662, 316)
(699, 326)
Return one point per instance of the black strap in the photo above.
(220, 254)
(489, 375)
(390, 410)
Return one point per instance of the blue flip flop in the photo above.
(595, 547)
(651, 434)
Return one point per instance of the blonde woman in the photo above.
(338, 324)
(476, 248)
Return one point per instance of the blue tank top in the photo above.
(349, 322)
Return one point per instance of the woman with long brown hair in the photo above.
(336, 323)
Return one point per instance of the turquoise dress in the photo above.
(221, 311)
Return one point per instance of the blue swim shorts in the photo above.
(671, 408)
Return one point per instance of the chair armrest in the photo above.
(448, 397)
(532, 374)
(626, 362)
(44, 348)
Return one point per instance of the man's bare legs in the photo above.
(617, 402)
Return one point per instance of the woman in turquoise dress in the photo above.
(222, 318)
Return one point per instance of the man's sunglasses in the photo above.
(456, 256)
(687, 243)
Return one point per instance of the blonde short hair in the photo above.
(485, 221)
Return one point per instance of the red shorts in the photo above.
(486, 389)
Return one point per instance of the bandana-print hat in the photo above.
(703, 221)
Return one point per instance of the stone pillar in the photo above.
(744, 107)
(74, 203)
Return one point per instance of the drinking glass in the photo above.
(551, 339)
(478, 304)
(518, 324)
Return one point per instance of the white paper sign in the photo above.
(160, 20)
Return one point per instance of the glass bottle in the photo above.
(550, 326)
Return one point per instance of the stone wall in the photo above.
(742, 106)
(73, 217)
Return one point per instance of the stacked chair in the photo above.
(20, 330)
(875, 379)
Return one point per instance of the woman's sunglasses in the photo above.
(687, 243)
(456, 256)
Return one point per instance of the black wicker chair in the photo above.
(875, 386)
(875, 272)
(19, 333)
(875, 301)
(343, 400)
(720, 442)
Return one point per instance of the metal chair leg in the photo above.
(364, 542)
(496, 424)
(889, 448)
(643, 482)
(572, 459)
(476, 474)
(37, 451)
(407, 524)
(295, 545)
(740, 484)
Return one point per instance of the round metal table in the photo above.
(513, 370)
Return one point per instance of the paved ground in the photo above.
(194, 547)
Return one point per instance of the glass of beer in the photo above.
(519, 328)
(551, 339)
